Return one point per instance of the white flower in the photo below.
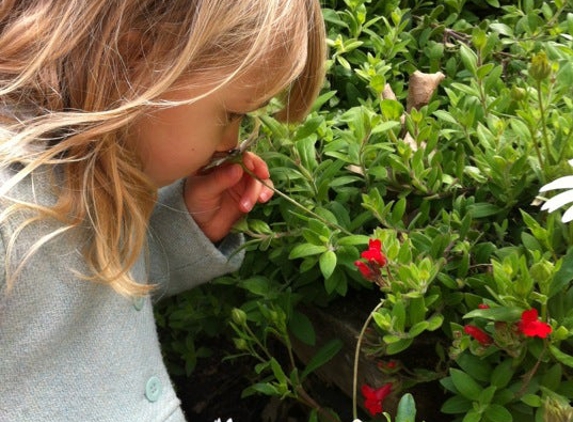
(228, 420)
(562, 198)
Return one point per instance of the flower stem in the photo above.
(543, 124)
(356, 358)
(297, 204)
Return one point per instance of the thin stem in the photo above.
(295, 203)
(257, 342)
(356, 357)
(310, 402)
(543, 124)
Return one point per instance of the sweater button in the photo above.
(153, 389)
(138, 303)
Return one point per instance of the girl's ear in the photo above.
(132, 47)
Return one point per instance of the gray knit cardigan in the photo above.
(74, 350)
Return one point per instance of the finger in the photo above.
(266, 191)
(217, 181)
(256, 165)
(250, 194)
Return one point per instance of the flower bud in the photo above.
(241, 344)
(517, 93)
(540, 67)
(239, 317)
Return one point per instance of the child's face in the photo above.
(177, 142)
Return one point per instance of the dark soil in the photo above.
(214, 391)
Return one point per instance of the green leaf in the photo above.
(552, 377)
(327, 263)
(258, 286)
(308, 128)
(498, 413)
(337, 282)
(302, 328)
(477, 368)
(564, 358)
(472, 416)
(307, 153)
(353, 240)
(263, 388)
(306, 249)
(502, 29)
(324, 355)
(486, 395)
(455, 405)
(563, 276)
(385, 127)
(532, 400)
(278, 371)
(483, 210)
(406, 409)
(435, 322)
(502, 374)
(418, 328)
(399, 316)
(398, 346)
(313, 416)
(469, 58)
(465, 384)
(496, 314)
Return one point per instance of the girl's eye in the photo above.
(233, 117)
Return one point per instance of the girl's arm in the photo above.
(181, 256)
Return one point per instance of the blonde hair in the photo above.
(75, 74)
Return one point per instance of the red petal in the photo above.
(535, 329)
(368, 392)
(383, 391)
(375, 244)
(477, 333)
(530, 315)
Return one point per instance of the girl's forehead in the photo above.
(261, 83)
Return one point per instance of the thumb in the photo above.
(217, 181)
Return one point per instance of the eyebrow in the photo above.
(252, 109)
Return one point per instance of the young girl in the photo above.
(109, 112)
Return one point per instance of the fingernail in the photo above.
(246, 204)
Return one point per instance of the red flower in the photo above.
(374, 253)
(483, 306)
(366, 270)
(373, 397)
(477, 333)
(375, 260)
(531, 326)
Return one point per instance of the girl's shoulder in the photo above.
(36, 187)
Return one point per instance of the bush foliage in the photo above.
(451, 189)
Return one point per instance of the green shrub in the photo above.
(451, 189)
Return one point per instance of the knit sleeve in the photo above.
(181, 256)
(2, 265)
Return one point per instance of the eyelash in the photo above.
(232, 117)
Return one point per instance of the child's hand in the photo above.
(218, 199)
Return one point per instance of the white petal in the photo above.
(568, 216)
(558, 201)
(565, 182)
(570, 163)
